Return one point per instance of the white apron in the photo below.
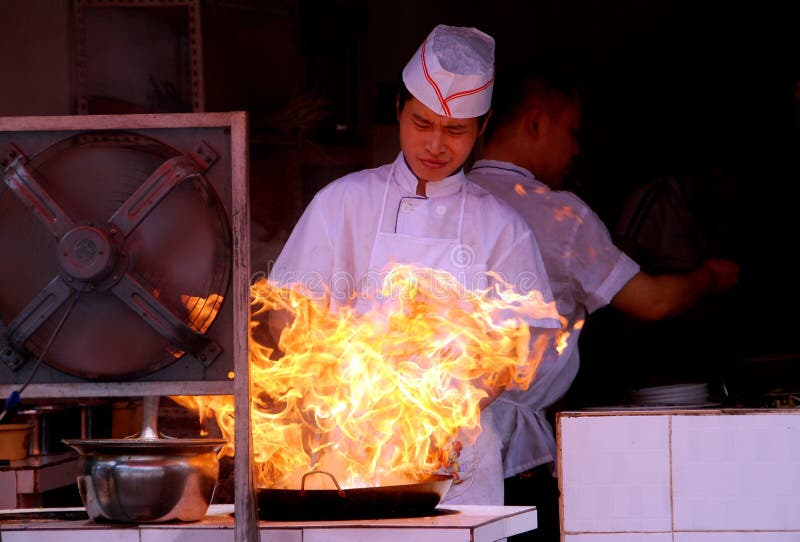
(479, 462)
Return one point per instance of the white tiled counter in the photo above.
(723, 475)
(450, 524)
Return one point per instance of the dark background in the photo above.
(664, 83)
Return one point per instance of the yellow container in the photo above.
(14, 440)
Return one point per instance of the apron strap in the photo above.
(461, 213)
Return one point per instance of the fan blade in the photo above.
(23, 183)
(163, 320)
(153, 190)
(38, 311)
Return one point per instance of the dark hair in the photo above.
(403, 95)
(519, 83)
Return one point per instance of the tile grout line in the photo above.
(671, 478)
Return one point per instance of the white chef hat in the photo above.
(452, 72)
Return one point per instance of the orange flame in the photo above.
(202, 311)
(375, 397)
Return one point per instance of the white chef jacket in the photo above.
(585, 269)
(333, 241)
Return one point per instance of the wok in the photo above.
(404, 500)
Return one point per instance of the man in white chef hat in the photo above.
(421, 210)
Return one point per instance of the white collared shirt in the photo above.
(585, 270)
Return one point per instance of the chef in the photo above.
(421, 210)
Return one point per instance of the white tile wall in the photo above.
(213, 535)
(77, 535)
(275, 535)
(384, 535)
(145, 535)
(761, 536)
(708, 476)
(620, 537)
(184, 535)
(615, 474)
(736, 472)
(8, 494)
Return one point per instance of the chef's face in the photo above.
(434, 146)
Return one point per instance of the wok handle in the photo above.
(341, 492)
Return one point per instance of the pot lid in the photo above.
(132, 446)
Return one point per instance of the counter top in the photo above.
(449, 523)
(679, 410)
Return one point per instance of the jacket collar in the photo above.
(408, 181)
(506, 168)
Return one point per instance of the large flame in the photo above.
(375, 396)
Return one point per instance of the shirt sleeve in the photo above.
(522, 268)
(597, 266)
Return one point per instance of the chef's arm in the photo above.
(653, 297)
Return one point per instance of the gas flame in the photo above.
(374, 396)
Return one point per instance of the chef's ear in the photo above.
(535, 122)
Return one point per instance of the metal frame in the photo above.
(195, 44)
(246, 523)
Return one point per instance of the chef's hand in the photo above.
(655, 297)
(724, 274)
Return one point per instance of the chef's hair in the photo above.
(530, 82)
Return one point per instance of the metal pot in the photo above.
(147, 479)
(14, 439)
(405, 500)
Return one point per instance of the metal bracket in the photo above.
(164, 321)
(204, 155)
(9, 354)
